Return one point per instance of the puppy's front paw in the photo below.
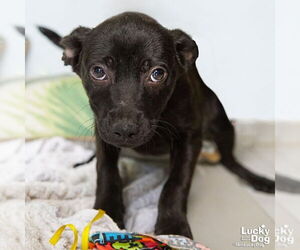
(115, 212)
(177, 225)
(263, 184)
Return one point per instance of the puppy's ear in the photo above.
(186, 48)
(72, 45)
(51, 35)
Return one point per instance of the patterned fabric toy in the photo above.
(130, 241)
(124, 240)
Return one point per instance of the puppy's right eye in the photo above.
(157, 75)
(98, 73)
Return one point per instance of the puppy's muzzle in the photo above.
(125, 130)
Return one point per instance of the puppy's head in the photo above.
(128, 65)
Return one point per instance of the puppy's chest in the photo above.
(158, 145)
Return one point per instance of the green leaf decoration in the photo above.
(12, 109)
(58, 107)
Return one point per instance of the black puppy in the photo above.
(146, 94)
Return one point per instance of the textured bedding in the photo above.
(57, 194)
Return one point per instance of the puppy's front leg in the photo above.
(172, 208)
(109, 183)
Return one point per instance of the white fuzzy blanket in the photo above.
(12, 194)
(57, 194)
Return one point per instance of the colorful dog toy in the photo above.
(119, 240)
(124, 240)
(109, 240)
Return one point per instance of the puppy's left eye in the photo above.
(158, 74)
(98, 73)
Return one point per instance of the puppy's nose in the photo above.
(125, 131)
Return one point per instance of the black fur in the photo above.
(172, 116)
(85, 162)
(55, 38)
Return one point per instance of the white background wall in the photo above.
(287, 60)
(12, 63)
(236, 40)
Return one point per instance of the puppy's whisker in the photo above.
(172, 127)
(153, 129)
(171, 133)
(85, 129)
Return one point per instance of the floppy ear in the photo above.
(51, 35)
(72, 45)
(186, 48)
